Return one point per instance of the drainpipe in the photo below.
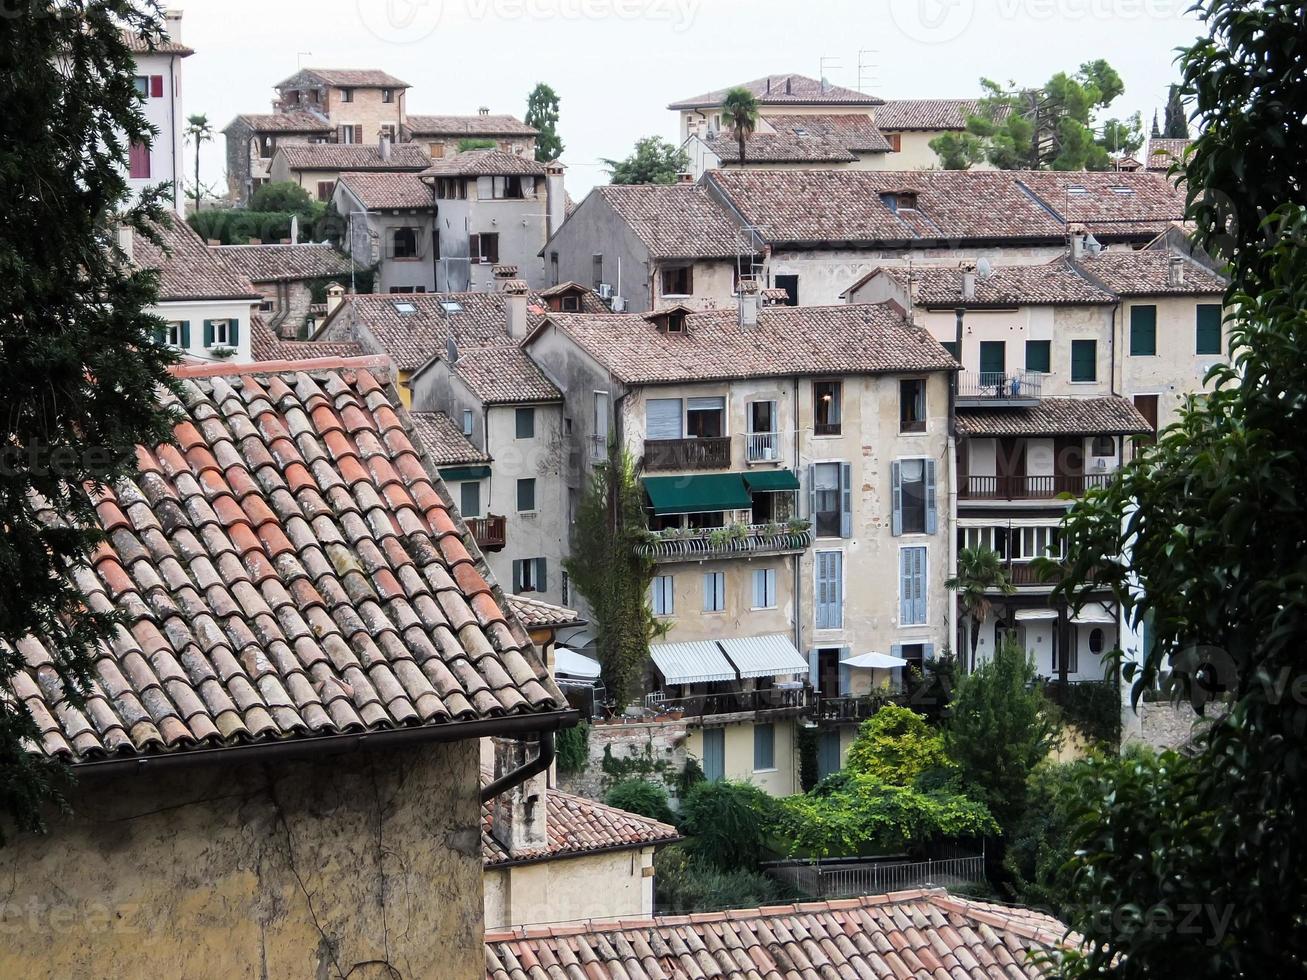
(798, 559)
(543, 760)
(961, 654)
(1111, 343)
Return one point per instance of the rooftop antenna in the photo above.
(826, 62)
(867, 69)
(299, 58)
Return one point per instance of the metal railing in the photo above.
(489, 532)
(750, 539)
(1000, 386)
(688, 454)
(851, 708)
(1030, 487)
(762, 447)
(877, 877)
(734, 702)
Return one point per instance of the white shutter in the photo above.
(662, 418)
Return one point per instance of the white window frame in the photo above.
(222, 333)
(925, 584)
(172, 335)
(467, 421)
(663, 595)
(768, 588)
(718, 586)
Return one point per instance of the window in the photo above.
(437, 151)
(526, 495)
(895, 141)
(388, 131)
(1039, 356)
(138, 161)
(566, 588)
(763, 442)
(221, 333)
(142, 85)
(1103, 446)
(467, 421)
(597, 270)
(599, 449)
(678, 281)
(831, 499)
(325, 189)
(404, 243)
(387, 95)
(484, 248)
(529, 575)
(1143, 331)
(1084, 360)
(525, 423)
(912, 587)
(791, 286)
(662, 419)
(470, 498)
(1073, 661)
(914, 654)
(347, 95)
(569, 303)
(553, 268)
(1208, 329)
(764, 588)
(714, 591)
(764, 747)
(178, 334)
(714, 754)
(664, 595)
(826, 408)
(705, 418)
(913, 489)
(993, 358)
(829, 596)
(1096, 640)
(912, 405)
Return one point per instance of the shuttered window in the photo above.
(529, 575)
(526, 494)
(664, 590)
(1208, 329)
(912, 587)
(993, 357)
(764, 588)
(830, 590)
(915, 503)
(1038, 356)
(1143, 331)
(470, 499)
(764, 747)
(1084, 360)
(714, 591)
(524, 423)
(662, 418)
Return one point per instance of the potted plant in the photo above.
(798, 525)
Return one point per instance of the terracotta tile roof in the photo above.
(1109, 204)
(502, 374)
(535, 613)
(1108, 415)
(288, 567)
(188, 268)
(349, 78)
(1053, 284)
(444, 442)
(155, 45)
(907, 934)
(352, 156)
(483, 163)
(787, 340)
(1145, 272)
(1161, 153)
(926, 114)
(467, 126)
(804, 139)
(283, 122)
(577, 826)
(673, 221)
(386, 191)
(278, 263)
(783, 90)
(267, 346)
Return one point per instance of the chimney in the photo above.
(515, 296)
(383, 144)
(519, 815)
(503, 274)
(968, 270)
(685, 177)
(335, 296)
(172, 25)
(483, 110)
(788, 88)
(126, 241)
(555, 198)
(749, 300)
(1077, 233)
(1175, 271)
(769, 85)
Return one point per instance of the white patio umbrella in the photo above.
(874, 661)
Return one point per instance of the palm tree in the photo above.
(980, 571)
(740, 113)
(198, 131)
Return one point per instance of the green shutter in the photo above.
(186, 334)
(952, 347)
(1038, 356)
(208, 333)
(1208, 339)
(1084, 360)
(993, 357)
(1143, 331)
(234, 332)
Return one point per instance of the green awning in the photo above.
(766, 481)
(453, 474)
(697, 494)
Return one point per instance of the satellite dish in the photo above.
(984, 269)
(451, 350)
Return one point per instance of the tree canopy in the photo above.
(1176, 121)
(654, 161)
(542, 116)
(740, 114)
(79, 371)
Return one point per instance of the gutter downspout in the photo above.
(798, 559)
(543, 760)
(962, 655)
(1112, 387)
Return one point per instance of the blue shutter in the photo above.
(814, 671)
(905, 586)
(932, 519)
(896, 650)
(846, 674)
(517, 575)
(823, 590)
(714, 754)
(927, 653)
(846, 500)
(812, 494)
(896, 484)
(759, 588)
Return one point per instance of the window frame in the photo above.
(526, 487)
(469, 421)
(409, 252)
(1199, 309)
(1078, 343)
(922, 600)
(1047, 360)
(769, 596)
(918, 424)
(714, 592)
(830, 428)
(527, 430)
(463, 490)
(1140, 330)
(820, 618)
(769, 744)
(663, 595)
(677, 275)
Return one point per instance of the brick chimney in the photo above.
(685, 177)
(1175, 271)
(515, 297)
(519, 818)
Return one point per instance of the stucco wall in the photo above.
(782, 779)
(519, 223)
(1176, 369)
(654, 751)
(197, 311)
(165, 114)
(592, 886)
(594, 229)
(713, 286)
(306, 869)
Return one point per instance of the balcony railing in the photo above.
(762, 447)
(999, 387)
(688, 454)
(852, 708)
(786, 699)
(826, 428)
(725, 542)
(489, 532)
(1030, 487)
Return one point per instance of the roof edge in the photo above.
(366, 361)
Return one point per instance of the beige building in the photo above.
(776, 95)
(910, 124)
(444, 136)
(317, 166)
(287, 277)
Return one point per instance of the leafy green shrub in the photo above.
(573, 747)
(1040, 844)
(684, 884)
(809, 766)
(475, 144)
(285, 196)
(727, 823)
(637, 796)
(895, 745)
(1094, 709)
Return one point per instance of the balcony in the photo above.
(697, 544)
(999, 389)
(687, 454)
(762, 447)
(489, 532)
(775, 702)
(1024, 574)
(856, 708)
(1030, 487)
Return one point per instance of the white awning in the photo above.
(1035, 615)
(691, 663)
(1094, 613)
(569, 663)
(764, 656)
(874, 661)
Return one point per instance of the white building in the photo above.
(159, 83)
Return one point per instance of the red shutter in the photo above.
(138, 161)
(156, 86)
(358, 134)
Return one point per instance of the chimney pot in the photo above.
(126, 241)
(1175, 271)
(483, 110)
(968, 270)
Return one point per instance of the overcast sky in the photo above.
(617, 63)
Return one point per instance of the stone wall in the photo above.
(655, 751)
(365, 865)
(1161, 725)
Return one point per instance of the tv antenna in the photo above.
(867, 69)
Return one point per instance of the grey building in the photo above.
(389, 223)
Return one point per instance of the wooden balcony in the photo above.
(687, 454)
(1029, 487)
(1025, 574)
(489, 532)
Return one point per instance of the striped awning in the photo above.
(764, 656)
(697, 662)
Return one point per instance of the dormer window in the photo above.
(673, 320)
(570, 303)
(676, 323)
(897, 201)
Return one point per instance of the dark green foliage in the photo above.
(683, 883)
(573, 747)
(233, 226)
(79, 371)
(542, 115)
(809, 764)
(475, 144)
(958, 151)
(638, 796)
(1094, 708)
(929, 694)
(284, 196)
(740, 116)
(1176, 125)
(1040, 844)
(654, 161)
(726, 823)
(999, 728)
